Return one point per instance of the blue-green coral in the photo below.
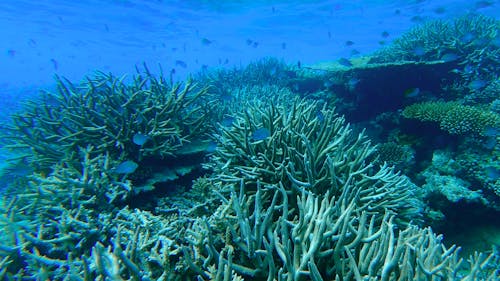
(454, 117)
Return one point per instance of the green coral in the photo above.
(105, 112)
(454, 117)
(309, 147)
(433, 39)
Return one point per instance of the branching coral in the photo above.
(106, 113)
(466, 37)
(308, 147)
(319, 237)
(455, 118)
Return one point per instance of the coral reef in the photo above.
(454, 117)
(107, 113)
(252, 174)
(309, 147)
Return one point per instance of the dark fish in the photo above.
(261, 134)
(329, 35)
(299, 65)
(483, 4)
(106, 27)
(349, 43)
(249, 42)
(11, 53)
(204, 67)
(354, 52)
(397, 12)
(273, 9)
(32, 42)
(206, 42)
(345, 62)
(54, 64)
(385, 34)
(283, 45)
(140, 139)
(127, 167)
(440, 10)
(255, 44)
(181, 63)
(411, 92)
(416, 19)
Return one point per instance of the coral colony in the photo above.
(269, 172)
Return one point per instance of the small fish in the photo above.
(327, 84)
(255, 44)
(261, 134)
(419, 51)
(54, 64)
(211, 147)
(352, 83)
(206, 42)
(320, 116)
(11, 53)
(483, 4)
(491, 132)
(329, 35)
(228, 121)
(397, 12)
(32, 42)
(106, 27)
(349, 43)
(476, 84)
(467, 38)
(440, 10)
(345, 62)
(449, 57)
(127, 167)
(140, 139)
(411, 92)
(385, 34)
(181, 63)
(249, 42)
(283, 46)
(416, 19)
(492, 173)
(299, 65)
(354, 52)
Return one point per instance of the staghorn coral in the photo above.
(264, 236)
(453, 117)
(309, 147)
(468, 37)
(106, 113)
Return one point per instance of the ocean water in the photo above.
(249, 140)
